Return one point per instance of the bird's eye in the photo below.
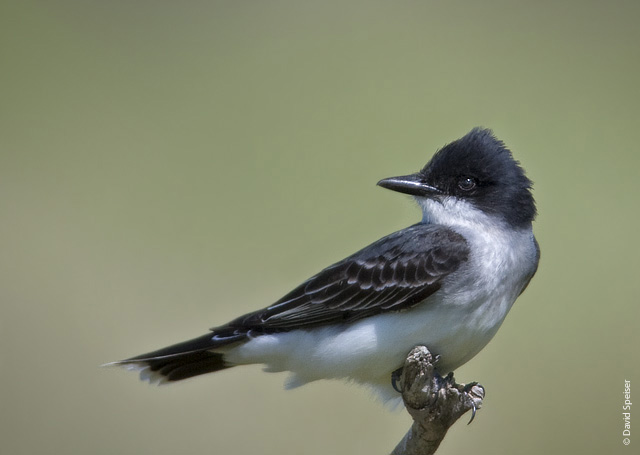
(467, 183)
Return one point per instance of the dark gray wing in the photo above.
(395, 273)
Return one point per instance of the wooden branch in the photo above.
(434, 403)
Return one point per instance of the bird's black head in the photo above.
(477, 169)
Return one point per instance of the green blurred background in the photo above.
(156, 156)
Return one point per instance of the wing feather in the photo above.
(393, 274)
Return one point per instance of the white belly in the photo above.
(455, 323)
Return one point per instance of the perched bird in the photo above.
(446, 282)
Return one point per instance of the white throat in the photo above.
(455, 212)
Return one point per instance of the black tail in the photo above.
(179, 361)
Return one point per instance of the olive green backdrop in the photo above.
(166, 166)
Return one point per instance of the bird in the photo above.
(446, 282)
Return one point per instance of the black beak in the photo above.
(412, 184)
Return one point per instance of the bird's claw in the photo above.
(473, 412)
(466, 389)
(395, 378)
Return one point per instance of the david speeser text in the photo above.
(626, 416)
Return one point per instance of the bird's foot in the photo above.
(424, 389)
(472, 391)
(434, 402)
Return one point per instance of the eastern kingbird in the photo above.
(446, 282)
